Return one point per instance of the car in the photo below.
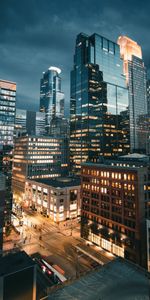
(43, 267)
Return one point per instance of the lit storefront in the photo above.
(57, 198)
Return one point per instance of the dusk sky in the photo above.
(37, 34)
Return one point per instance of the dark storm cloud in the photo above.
(36, 34)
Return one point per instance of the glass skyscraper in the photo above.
(7, 111)
(29, 122)
(2, 208)
(135, 73)
(59, 127)
(7, 121)
(51, 96)
(148, 96)
(99, 102)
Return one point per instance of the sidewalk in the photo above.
(13, 236)
(100, 256)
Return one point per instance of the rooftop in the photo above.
(135, 156)
(14, 262)
(116, 165)
(58, 70)
(7, 81)
(134, 160)
(117, 280)
(60, 182)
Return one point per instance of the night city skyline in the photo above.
(74, 150)
(35, 36)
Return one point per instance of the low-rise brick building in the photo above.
(115, 198)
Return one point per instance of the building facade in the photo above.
(135, 73)
(58, 198)
(99, 117)
(7, 122)
(18, 277)
(59, 127)
(115, 204)
(37, 157)
(51, 95)
(29, 122)
(148, 96)
(144, 134)
(148, 244)
(6, 168)
(7, 111)
(2, 208)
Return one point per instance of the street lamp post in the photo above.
(77, 263)
(71, 228)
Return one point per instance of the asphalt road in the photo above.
(55, 243)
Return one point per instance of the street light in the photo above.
(77, 263)
(71, 226)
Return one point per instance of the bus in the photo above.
(61, 277)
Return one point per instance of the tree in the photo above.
(94, 228)
(115, 236)
(84, 227)
(8, 230)
(104, 232)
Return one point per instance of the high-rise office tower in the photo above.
(2, 207)
(7, 121)
(99, 101)
(59, 127)
(37, 157)
(20, 122)
(51, 96)
(30, 122)
(7, 111)
(148, 96)
(144, 134)
(135, 73)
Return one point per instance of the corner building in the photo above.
(37, 157)
(115, 205)
(99, 102)
(57, 198)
